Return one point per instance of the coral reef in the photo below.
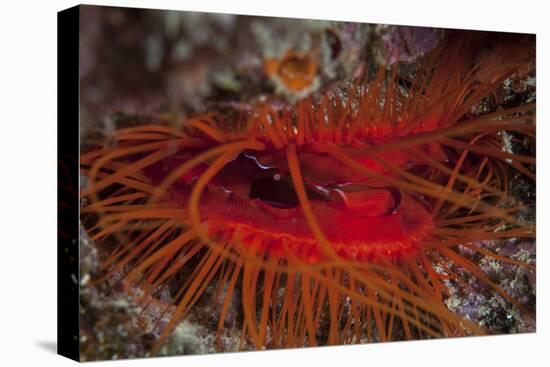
(172, 63)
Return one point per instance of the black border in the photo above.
(68, 177)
